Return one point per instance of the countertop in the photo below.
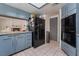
(13, 33)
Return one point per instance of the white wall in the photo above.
(58, 27)
(47, 26)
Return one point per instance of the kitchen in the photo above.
(16, 30)
(14, 35)
(34, 29)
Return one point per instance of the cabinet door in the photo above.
(5, 45)
(14, 44)
(25, 38)
(29, 43)
(71, 12)
(20, 42)
(29, 40)
(64, 11)
(71, 6)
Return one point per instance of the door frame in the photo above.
(58, 28)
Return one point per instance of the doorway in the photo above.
(53, 28)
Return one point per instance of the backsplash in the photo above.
(11, 24)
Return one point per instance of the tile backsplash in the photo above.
(7, 24)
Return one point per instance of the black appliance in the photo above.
(68, 30)
(38, 32)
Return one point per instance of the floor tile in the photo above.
(48, 49)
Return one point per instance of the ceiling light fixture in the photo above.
(38, 5)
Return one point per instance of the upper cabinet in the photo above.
(14, 12)
(5, 45)
(71, 6)
(64, 11)
(68, 9)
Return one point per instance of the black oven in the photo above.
(69, 30)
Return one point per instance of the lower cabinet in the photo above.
(29, 40)
(5, 45)
(23, 41)
(20, 42)
(69, 50)
(14, 43)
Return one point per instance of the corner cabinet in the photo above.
(10, 44)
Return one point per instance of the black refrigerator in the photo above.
(38, 32)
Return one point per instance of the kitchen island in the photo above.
(14, 42)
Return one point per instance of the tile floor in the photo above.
(49, 49)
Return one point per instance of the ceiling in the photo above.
(48, 8)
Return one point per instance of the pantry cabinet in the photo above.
(69, 23)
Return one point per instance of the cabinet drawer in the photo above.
(3, 37)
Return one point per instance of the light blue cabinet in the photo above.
(5, 45)
(25, 37)
(23, 41)
(68, 9)
(20, 42)
(14, 44)
(68, 49)
(29, 40)
(71, 6)
(64, 11)
(10, 44)
(71, 12)
(7, 10)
